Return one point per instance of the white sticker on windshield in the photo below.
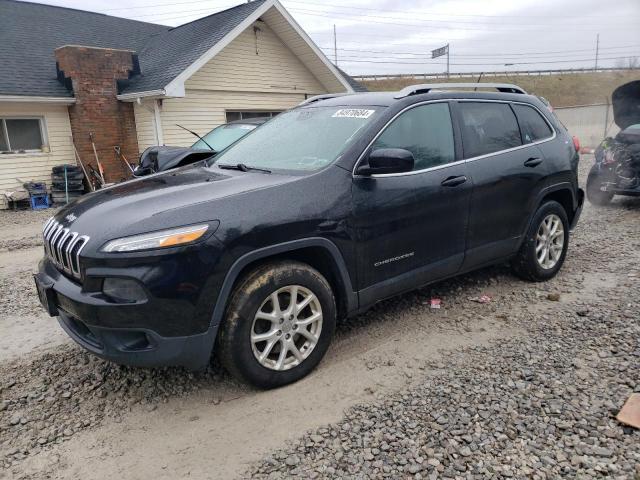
(353, 113)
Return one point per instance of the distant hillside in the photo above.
(563, 90)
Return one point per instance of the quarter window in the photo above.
(533, 126)
(20, 135)
(425, 131)
(487, 128)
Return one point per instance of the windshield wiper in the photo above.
(194, 133)
(242, 167)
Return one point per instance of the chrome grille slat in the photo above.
(63, 246)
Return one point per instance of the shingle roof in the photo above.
(357, 86)
(170, 53)
(30, 32)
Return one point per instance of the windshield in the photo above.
(304, 139)
(221, 137)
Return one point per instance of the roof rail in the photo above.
(427, 87)
(324, 96)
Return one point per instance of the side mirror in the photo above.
(387, 160)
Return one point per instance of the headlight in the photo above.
(162, 239)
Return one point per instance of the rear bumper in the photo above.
(578, 212)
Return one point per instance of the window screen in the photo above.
(426, 132)
(241, 115)
(19, 134)
(533, 126)
(488, 128)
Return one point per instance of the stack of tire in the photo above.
(72, 185)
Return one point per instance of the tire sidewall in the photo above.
(243, 306)
(546, 209)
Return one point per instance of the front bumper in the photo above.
(161, 331)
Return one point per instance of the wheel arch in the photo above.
(319, 253)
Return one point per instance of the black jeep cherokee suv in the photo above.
(317, 215)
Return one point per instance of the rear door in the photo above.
(410, 227)
(507, 173)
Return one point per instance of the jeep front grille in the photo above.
(63, 246)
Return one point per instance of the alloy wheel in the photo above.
(286, 328)
(550, 241)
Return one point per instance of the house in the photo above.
(69, 76)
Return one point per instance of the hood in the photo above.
(626, 104)
(176, 198)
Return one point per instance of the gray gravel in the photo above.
(540, 405)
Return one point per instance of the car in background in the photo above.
(161, 158)
(617, 159)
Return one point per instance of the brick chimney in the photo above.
(93, 74)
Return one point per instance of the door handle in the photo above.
(533, 162)
(454, 181)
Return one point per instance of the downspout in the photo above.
(158, 122)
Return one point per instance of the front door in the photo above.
(410, 228)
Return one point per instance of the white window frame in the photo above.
(264, 113)
(4, 131)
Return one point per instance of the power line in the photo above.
(494, 55)
(414, 12)
(367, 16)
(480, 64)
(368, 19)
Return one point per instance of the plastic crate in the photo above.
(39, 201)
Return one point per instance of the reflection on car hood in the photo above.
(626, 104)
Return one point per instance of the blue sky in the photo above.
(385, 36)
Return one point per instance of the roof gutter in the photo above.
(134, 96)
(25, 98)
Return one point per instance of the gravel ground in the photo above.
(538, 403)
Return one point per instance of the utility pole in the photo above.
(335, 45)
(447, 60)
(597, 49)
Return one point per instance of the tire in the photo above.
(527, 264)
(237, 351)
(70, 169)
(594, 194)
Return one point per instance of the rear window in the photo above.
(488, 128)
(533, 126)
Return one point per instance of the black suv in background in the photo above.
(316, 215)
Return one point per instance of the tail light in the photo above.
(576, 143)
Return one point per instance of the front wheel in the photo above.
(278, 324)
(545, 247)
(594, 193)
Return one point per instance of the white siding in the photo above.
(36, 166)
(274, 68)
(145, 127)
(202, 110)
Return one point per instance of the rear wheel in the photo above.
(544, 249)
(594, 183)
(278, 324)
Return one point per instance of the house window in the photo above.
(233, 116)
(18, 135)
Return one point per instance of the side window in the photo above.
(487, 128)
(533, 126)
(425, 131)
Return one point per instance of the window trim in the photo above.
(43, 134)
(459, 162)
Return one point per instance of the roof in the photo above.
(167, 55)
(357, 86)
(30, 33)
